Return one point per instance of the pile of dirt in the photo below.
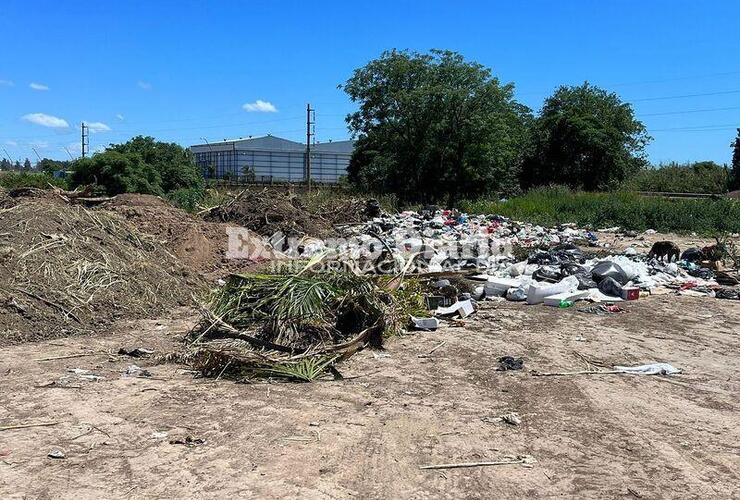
(67, 269)
(200, 245)
(270, 211)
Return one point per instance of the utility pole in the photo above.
(85, 138)
(310, 131)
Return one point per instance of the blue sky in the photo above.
(182, 71)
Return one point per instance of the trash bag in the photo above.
(692, 255)
(540, 257)
(572, 269)
(548, 274)
(567, 252)
(581, 273)
(609, 269)
(703, 272)
(585, 282)
(610, 286)
(727, 293)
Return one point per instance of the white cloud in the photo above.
(120, 116)
(6, 83)
(39, 144)
(260, 106)
(38, 86)
(46, 120)
(144, 85)
(96, 127)
(11, 143)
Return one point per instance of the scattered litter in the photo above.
(158, 435)
(189, 441)
(512, 418)
(425, 323)
(651, 369)
(136, 352)
(558, 299)
(136, 371)
(602, 309)
(57, 454)
(510, 363)
(381, 354)
(85, 374)
(630, 293)
(462, 307)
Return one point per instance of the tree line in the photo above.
(435, 127)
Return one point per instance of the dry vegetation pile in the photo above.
(296, 326)
(269, 211)
(67, 269)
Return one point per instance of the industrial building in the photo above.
(272, 159)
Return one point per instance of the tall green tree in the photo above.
(27, 165)
(434, 128)
(586, 138)
(174, 164)
(735, 169)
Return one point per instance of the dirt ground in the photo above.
(593, 436)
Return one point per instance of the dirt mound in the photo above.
(269, 211)
(201, 246)
(137, 200)
(67, 269)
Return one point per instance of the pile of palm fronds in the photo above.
(296, 326)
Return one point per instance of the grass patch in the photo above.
(555, 205)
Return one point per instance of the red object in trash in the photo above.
(630, 293)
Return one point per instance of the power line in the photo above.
(663, 98)
(697, 128)
(688, 111)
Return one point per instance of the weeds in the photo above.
(550, 206)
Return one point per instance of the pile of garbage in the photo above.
(520, 261)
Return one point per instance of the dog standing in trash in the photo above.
(664, 249)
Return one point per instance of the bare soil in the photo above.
(198, 244)
(593, 436)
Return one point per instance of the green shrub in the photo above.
(117, 173)
(700, 177)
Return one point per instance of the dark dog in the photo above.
(664, 249)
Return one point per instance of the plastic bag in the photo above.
(548, 274)
(610, 286)
(608, 269)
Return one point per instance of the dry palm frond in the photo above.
(294, 326)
